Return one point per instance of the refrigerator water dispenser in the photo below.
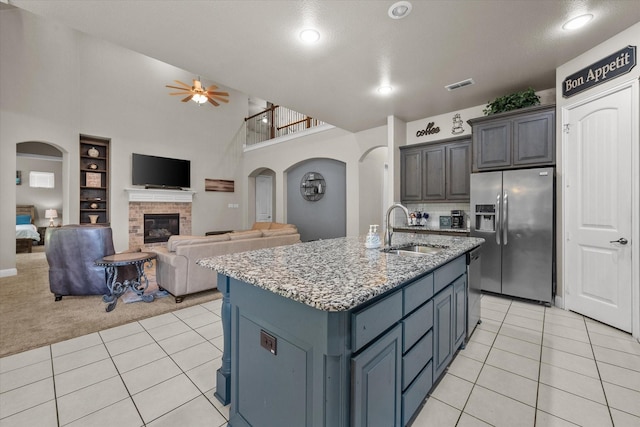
(486, 217)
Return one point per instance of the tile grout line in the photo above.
(481, 369)
(595, 361)
(53, 380)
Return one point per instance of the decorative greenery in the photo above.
(514, 101)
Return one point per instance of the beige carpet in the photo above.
(30, 318)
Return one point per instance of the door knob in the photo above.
(621, 240)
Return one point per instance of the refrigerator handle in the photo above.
(505, 223)
(498, 224)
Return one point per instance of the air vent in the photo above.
(460, 84)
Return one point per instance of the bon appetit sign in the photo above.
(612, 66)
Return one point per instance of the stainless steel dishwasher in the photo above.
(473, 294)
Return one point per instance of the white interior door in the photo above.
(598, 210)
(264, 197)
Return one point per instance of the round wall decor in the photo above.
(312, 186)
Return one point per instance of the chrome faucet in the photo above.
(389, 232)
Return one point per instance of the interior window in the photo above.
(41, 179)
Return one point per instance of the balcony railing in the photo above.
(275, 122)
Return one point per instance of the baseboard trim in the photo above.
(559, 302)
(8, 272)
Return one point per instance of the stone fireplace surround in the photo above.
(143, 201)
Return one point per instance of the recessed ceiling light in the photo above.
(577, 22)
(400, 10)
(309, 35)
(385, 90)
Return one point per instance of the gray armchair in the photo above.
(71, 252)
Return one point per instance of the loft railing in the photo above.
(275, 122)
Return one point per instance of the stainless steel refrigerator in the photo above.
(514, 211)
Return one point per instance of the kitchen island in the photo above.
(328, 333)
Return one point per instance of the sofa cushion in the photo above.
(175, 241)
(279, 226)
(261, 225)
(280, 232)
(248, 234)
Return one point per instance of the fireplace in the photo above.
(159, 227)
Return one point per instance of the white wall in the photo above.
(57, 83)
(630, 36)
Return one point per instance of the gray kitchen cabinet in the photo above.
(433, 176)
(459, 311)
(376, 374)
(411, 174)
(458, 169)
(440, 174)
(514, 139)
(442, 331)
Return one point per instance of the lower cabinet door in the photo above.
(376, 382)
(442, 331)
(460, 311)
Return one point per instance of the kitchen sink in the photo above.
(417, 250)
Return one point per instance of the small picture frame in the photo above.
(94, 180)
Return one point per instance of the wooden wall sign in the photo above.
(219, 185)
(614, 65)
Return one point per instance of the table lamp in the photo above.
(51, 213)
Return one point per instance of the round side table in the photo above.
(137, 285)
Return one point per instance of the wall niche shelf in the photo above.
(94, 179)
(312, 186)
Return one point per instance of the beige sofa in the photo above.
(176, 268)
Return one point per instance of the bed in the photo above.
(26, 232)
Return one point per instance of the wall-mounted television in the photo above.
(160, 172)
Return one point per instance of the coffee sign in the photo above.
(606, 69)
(429, 130)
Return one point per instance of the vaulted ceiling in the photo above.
(253, 47)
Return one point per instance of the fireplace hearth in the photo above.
(159, 227)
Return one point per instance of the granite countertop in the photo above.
(414, 228)
(336, 274)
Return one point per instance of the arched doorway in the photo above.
(36, 161)
(262, 195)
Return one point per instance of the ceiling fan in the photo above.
(198, 94)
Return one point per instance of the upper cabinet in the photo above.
(436, 171)
(514, 139)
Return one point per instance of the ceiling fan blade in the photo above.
(226, 101)
(218, 93)
(212, 87)
(179, 88)
(187, 98)
(183, 84)
(213, 102)
(179, 93)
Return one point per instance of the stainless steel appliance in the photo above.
(514, 212)
(473, 294)
(457, 219)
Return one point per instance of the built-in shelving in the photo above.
(94, 179)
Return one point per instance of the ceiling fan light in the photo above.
(199, 98)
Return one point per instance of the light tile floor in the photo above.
(525, 365)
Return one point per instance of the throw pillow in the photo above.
(23, 219)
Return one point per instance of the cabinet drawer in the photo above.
(373, 320)
(448, 273)
(413, 397)
(416, 359)
(416, 325)
(417, 293)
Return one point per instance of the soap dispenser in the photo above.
(373, 238)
